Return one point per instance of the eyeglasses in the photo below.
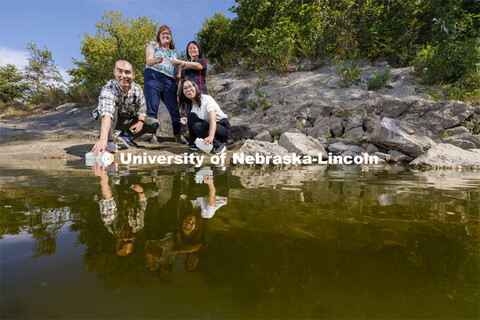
(185, 88)
(165, 33)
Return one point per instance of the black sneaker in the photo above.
(193, 147)
(220, 149)
(181, 140)
(126, 139)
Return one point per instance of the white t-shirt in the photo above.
(208, 211)
(208, 104)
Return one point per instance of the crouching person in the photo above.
(204, 117)
(121, 106)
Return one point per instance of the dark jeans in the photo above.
(124, 123)
(198, 128)
(159, 86)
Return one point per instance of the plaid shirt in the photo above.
(128, 104)
(109, 215)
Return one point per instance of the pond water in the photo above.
(239, 242)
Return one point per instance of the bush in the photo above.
(347, 67)
(448, 62)
(377, 81)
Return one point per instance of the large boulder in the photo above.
(264, 136)
(252, 147)
(401, 136)
(300, 144)
(449, 156)
(465, 141)
(340, 147)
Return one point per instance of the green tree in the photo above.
(116, 37)
(11, 86)
(41, 75)
(218, 42)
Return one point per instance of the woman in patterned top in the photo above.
(159, 79)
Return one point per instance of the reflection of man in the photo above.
(123, 227)
(121, 106)
(212, 203)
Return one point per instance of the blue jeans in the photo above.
(159, 86)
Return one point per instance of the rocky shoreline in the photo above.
(306, 113)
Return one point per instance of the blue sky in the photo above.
(59, 24)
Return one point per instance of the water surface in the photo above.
(308, 242)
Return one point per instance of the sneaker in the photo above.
(193, 147)
(181, 140)
(153, 139)
(220, 149)
(126, 140)
(111, 146)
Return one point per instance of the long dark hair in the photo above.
(185, 103)
(199, 49)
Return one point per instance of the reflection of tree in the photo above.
(44, 225)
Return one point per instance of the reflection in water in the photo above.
(259, 242)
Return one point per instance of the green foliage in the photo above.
(440, 36)
(41, 76)
(263, 79)
(11, 86)
(449, 61)
(262, 98)
(276, 133)
(218, 42)
(116, 37)
(377, 81)
(347, 68)
(251, 104)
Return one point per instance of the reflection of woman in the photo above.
(195, 67)
(205, 118)
(159, 79)
(167, 230)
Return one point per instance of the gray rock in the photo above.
(448, 156)
(318, 132)
(354, 134)
(264, 136)
(464, 141)
(397, 156)
(340, 147)
(371, 124)
(456, 131)
(336, 126)
(449, 113)
(383, 156)
(371, 148)
(350, 153)
(251, 147)
(301, 144)
(400, 135)
(333, 83)
(243, 130)
(66, 106)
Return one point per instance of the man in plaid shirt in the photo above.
(121, 106)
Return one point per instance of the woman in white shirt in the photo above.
(204, 117)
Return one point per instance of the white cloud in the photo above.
(15, 57)
(20, 59)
